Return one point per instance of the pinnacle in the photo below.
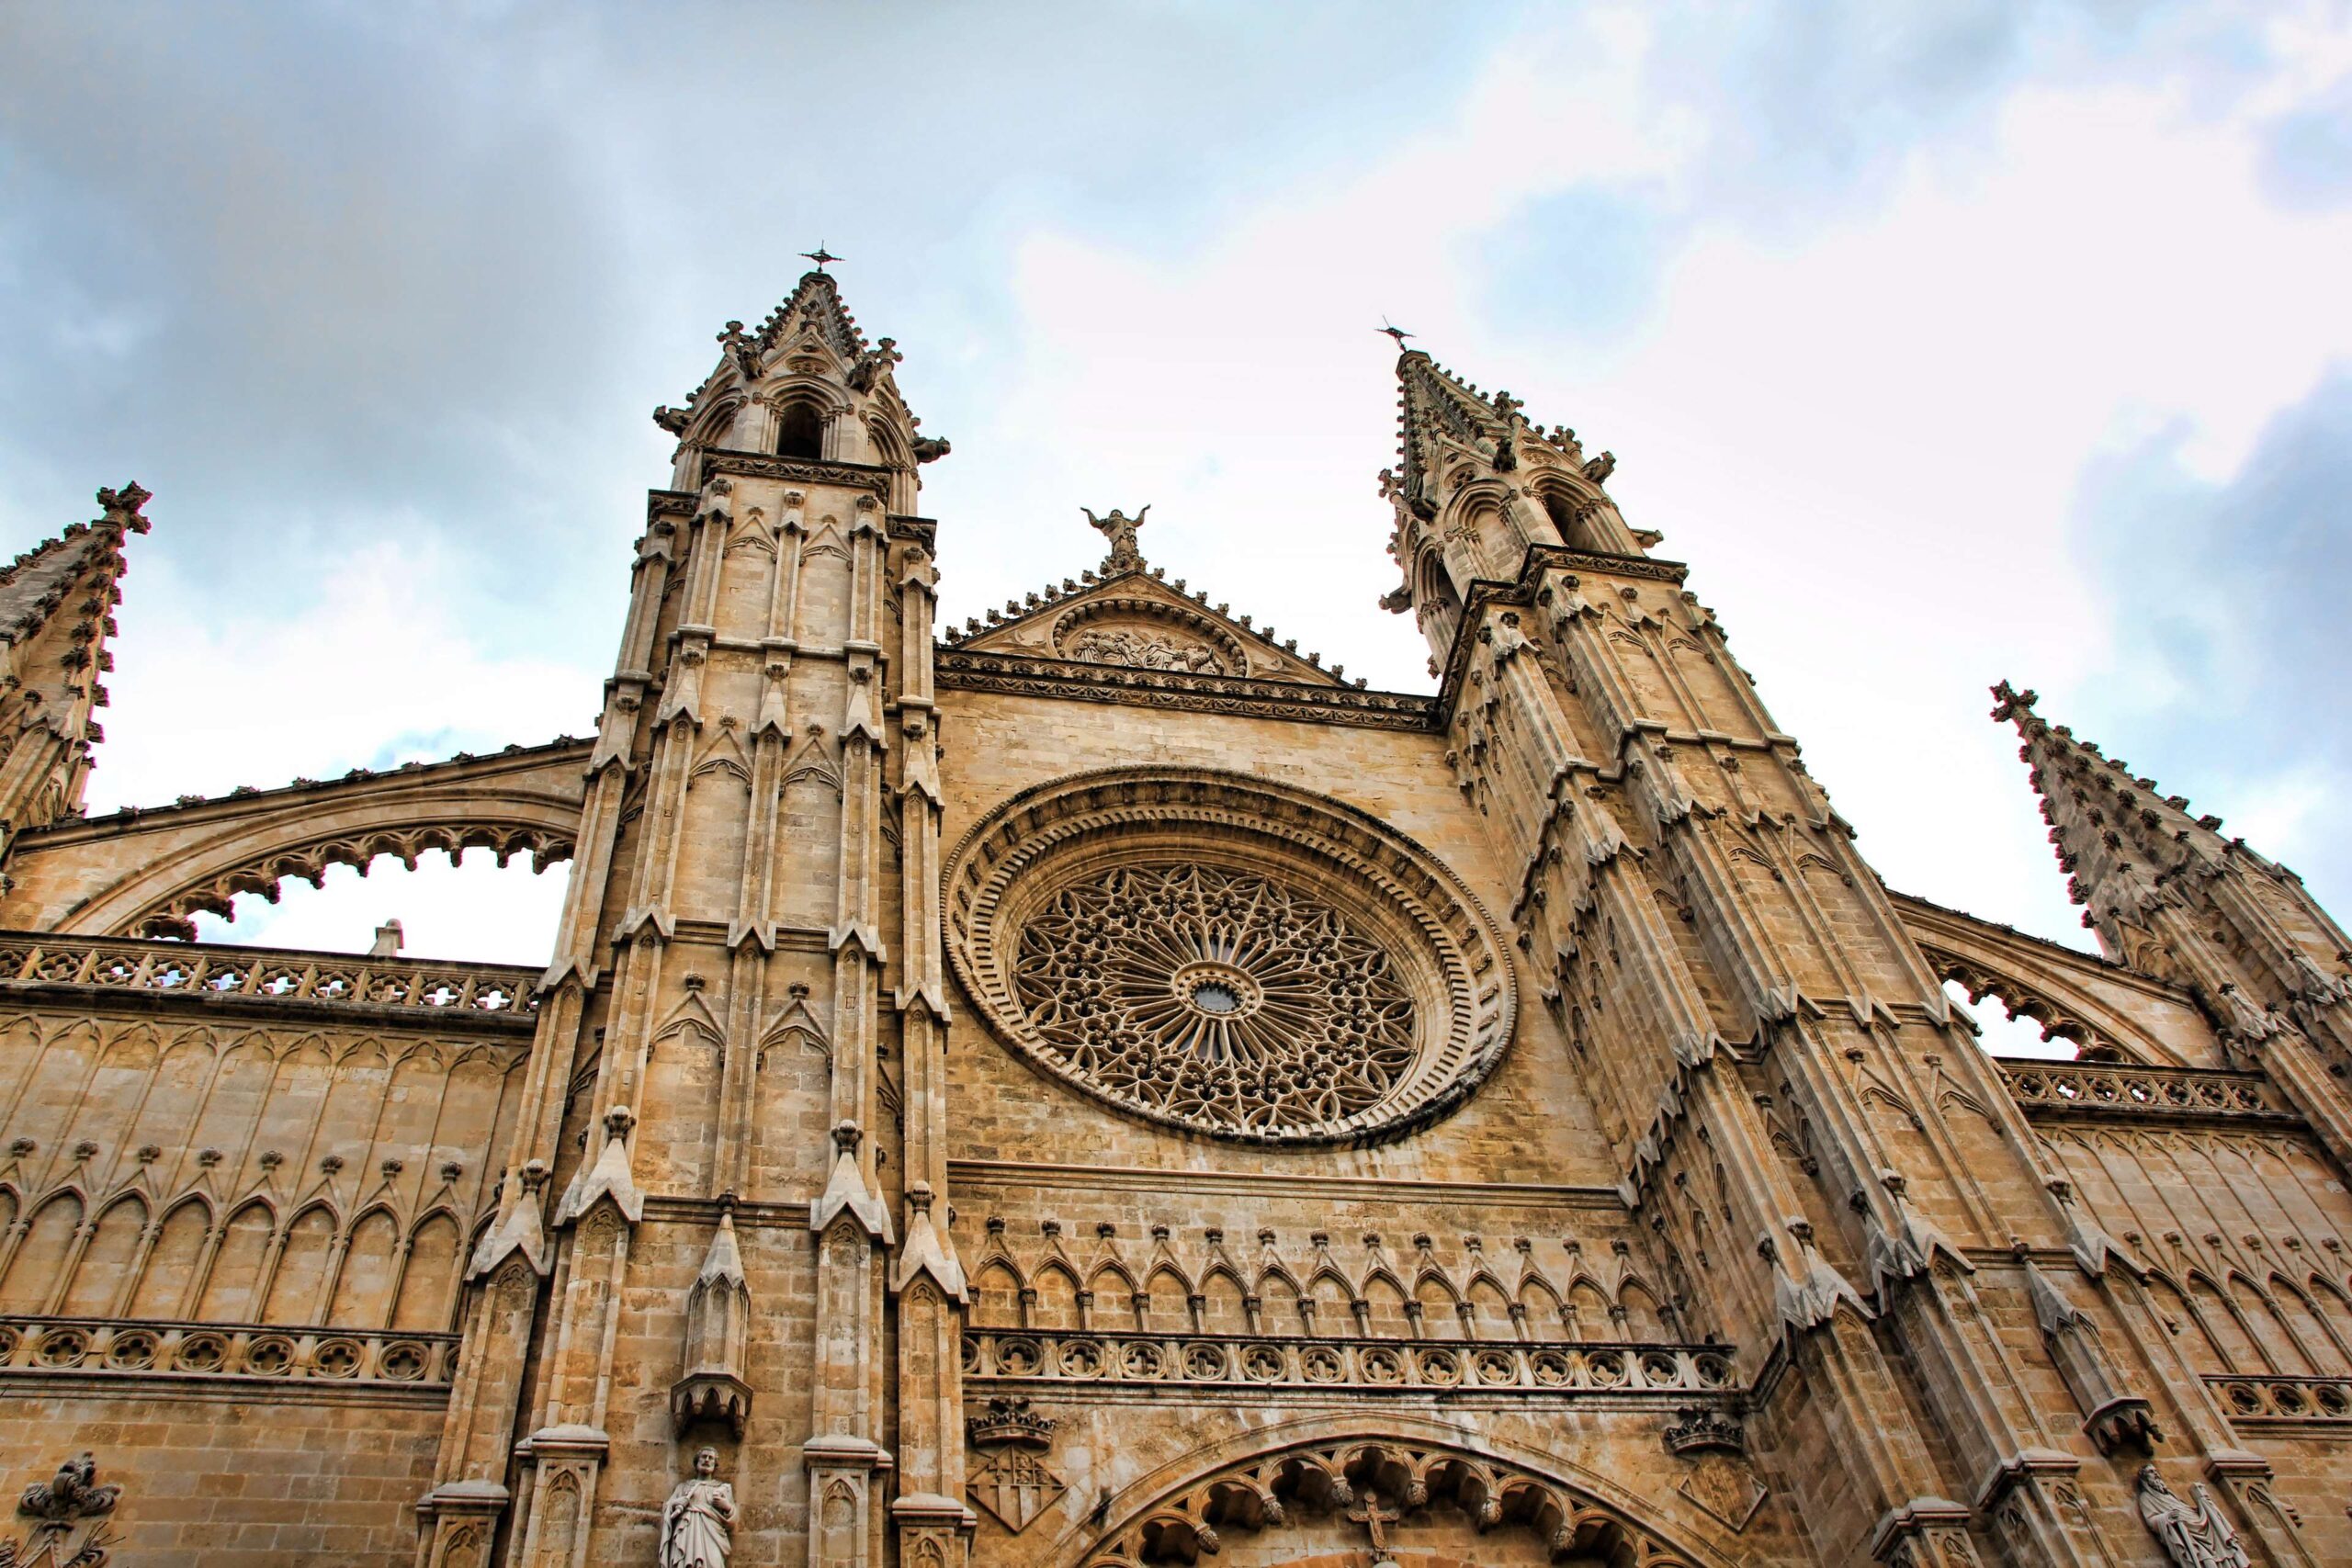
(2105, 822)
(1434, 404)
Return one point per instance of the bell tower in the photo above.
(745, 1008)
(1763, 1039)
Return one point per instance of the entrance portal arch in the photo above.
(1433, 1491)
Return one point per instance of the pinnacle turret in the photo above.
(56, 612)
(1436, 408)
(2122, 839)
(805, 384)
(1476, 487)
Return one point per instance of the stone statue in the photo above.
(698, 1521)
(2201, 1536)
(1120, 529)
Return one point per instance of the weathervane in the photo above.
(1399, 334)
(820, 255)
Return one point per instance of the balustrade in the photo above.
(262, 974)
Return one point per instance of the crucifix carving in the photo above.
(1372, 1516)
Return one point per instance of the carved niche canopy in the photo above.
(1228, 955)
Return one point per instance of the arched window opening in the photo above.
(800, 432)
(1567, 514)
(2006, 1031)
(468, 909)
(1441, 606)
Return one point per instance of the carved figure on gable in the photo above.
(2201, 1536)
(1120, 529)
(698, 1521)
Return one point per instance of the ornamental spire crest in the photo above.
(2122, 839)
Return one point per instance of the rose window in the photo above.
(1217, 995)
(1228, 955)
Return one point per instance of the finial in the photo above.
(1120, 529)
(121, 506)
(820, 255)
(2012, 702)
(1399, 334)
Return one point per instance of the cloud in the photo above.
(375, 300)
(2308, 160)
(2234, 656)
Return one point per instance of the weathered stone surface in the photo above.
(1098, 1088)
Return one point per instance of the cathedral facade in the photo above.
(1096, 1087)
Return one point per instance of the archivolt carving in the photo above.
(213, 893)
(1278, 1488)
(1228, 955)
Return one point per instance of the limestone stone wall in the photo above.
(237, 1482)
(239, 1187)
(1531, 1122)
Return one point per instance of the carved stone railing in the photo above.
(264, 976)
(2304, 1401)
(1077, 1356)
(238, 1353)
(2103, 1088)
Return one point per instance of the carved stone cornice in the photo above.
(1063, 680)
(798, 470)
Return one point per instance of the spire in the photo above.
(2124, 843)
(1436, 408)
(1478, 493)
(56, 612)
(805, 383)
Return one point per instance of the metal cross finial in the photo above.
(820, 255)
(1399, 334)
(1372, 1516)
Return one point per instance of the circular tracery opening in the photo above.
(1229, 956)
(1227, 996)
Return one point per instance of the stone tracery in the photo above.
(1219, 996)
(1229, 955)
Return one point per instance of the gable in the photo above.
(1137, 620)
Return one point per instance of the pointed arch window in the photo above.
(1441, 604)
(800, 432)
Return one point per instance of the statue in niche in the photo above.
(698, 1521)
(2201, 1536)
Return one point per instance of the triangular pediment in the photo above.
(1137, 619)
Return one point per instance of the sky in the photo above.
(1947, 342)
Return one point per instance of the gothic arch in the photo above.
(172, 863)
(1253, 1481)
(2072, 996)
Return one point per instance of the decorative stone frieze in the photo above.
(1234, 1364)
